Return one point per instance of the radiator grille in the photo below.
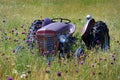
(46, 43)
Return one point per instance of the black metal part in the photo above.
(61, 20)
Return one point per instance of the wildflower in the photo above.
(47, 71)
(114, 59)
(23, 76)
(93, 73)
(23, 32)
(15, 71)
(3, 21)
(76, 71)
(105, 59)
(22, 26)
(113, 55)
(15, 28)
(82, 62)
(28, 37)
(3, 54)
(93, 65)
(16, 33)
(30, 40)
(13, 51)
(111, 63)
(7, 58)
(10, 78)
(58, 73)
(28, 72)
(12, 31)
(97, 41)
(44, 53)
(49, 64)
(117, 41)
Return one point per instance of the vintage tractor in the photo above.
(95, 34)
(53, 36)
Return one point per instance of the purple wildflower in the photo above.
(16, 33)
(114, 59)
(58, 73)
(93, 65)
(111, 63)
(44, 53)
(13, 51)
(12, 31)
(10, 78)
(28, 37)
(113, 55)
(82, 62)
(23, 32)
(49, 63)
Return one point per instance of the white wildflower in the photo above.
(23, 76)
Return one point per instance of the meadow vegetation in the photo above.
(16, 17)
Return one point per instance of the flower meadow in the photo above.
(19, 62)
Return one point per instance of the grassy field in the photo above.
(16, 17)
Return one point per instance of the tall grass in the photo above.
(17, 15)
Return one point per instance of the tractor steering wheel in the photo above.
(61, 20)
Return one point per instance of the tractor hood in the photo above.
(57, 27)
